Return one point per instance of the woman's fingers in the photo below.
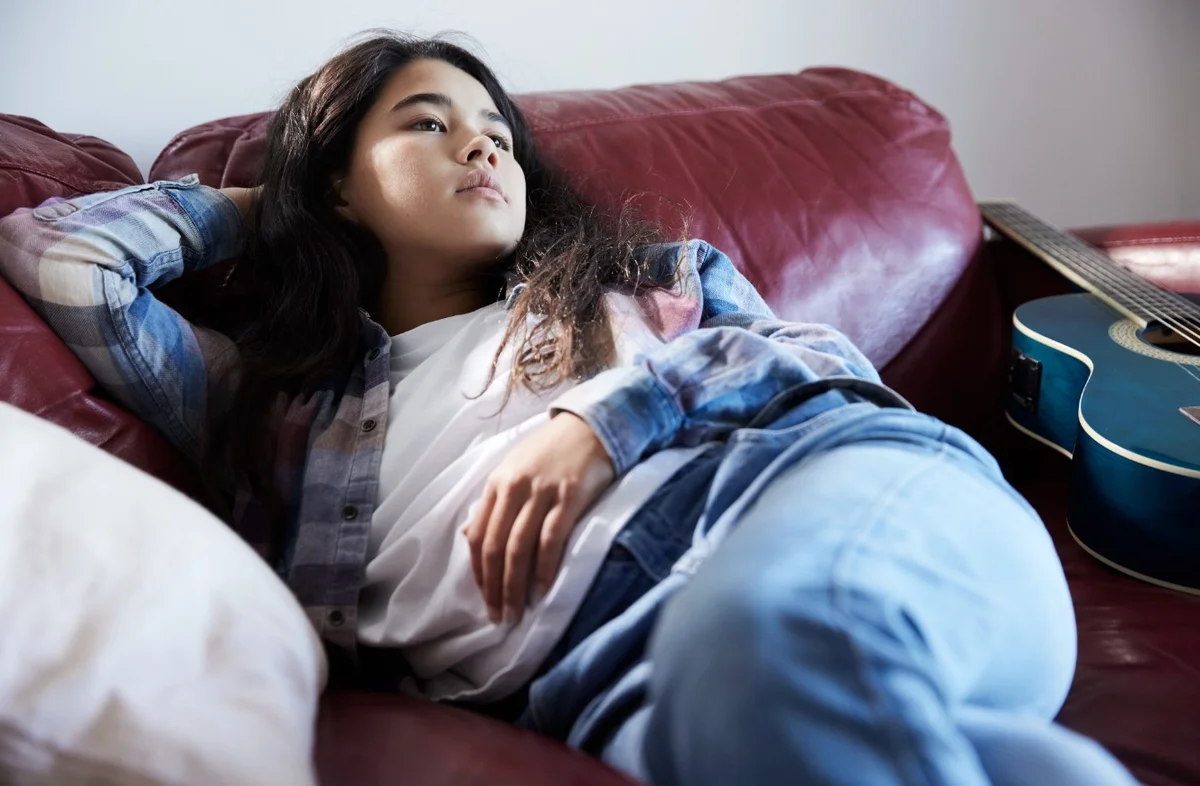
(476, 529)
(559, 523)
(509, 502)
(522, 555)
(530, 504)
(517, 538)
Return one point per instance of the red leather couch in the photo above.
(840, 196)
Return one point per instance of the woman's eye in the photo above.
(428, 124)
(501, 142)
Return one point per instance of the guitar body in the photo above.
(1113, 403)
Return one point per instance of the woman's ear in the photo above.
(337, 198)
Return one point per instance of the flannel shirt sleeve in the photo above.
(88, 266)
(703, 384)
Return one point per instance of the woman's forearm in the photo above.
(244, 198)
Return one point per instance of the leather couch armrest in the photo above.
(1183, 235)
(1168, 254)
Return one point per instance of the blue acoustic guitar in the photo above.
(1111, 378)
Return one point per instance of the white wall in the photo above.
(1086, 110)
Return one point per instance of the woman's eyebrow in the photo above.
(443, 100)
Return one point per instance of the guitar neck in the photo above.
(1089, 268)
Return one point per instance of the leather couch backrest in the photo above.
(836, 192)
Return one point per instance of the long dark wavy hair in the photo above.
(309, 271)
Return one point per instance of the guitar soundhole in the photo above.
(1185, 340)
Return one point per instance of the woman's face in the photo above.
(432, 174)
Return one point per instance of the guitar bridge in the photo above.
(1025, 380)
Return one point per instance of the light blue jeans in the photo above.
(857, 598)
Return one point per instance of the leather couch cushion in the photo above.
(37, 163)
(373, 739)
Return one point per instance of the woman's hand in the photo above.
(531, 502)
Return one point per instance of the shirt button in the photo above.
(368, 425)
(336, 618)
(349, 513)
(374, 353)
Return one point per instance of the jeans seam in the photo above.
(654, 565)
(893, 732)
(793, 432)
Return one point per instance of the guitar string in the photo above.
(1187, 370)
(1143, 296)
(1140, 297)
(1148, 297)
(1111, 274)
(1151, 294)
(1137, 292)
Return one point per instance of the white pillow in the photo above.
(141, 641)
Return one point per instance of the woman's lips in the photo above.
(484, 192)
(482, 184)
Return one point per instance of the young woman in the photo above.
(573, 476)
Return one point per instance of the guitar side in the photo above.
(1113, 405)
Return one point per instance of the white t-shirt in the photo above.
(420, 595)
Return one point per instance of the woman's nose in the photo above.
(481, 146)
